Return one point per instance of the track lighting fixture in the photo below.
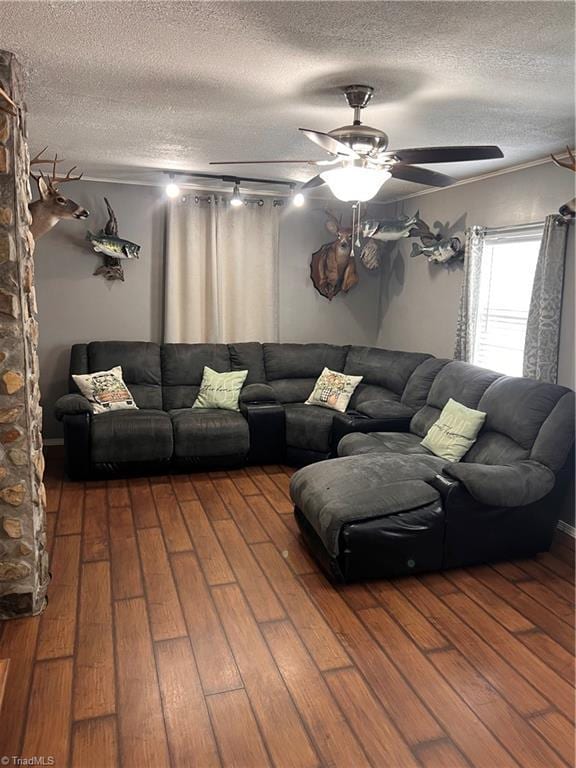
(298, 199)
(236, 200)
(172, 189)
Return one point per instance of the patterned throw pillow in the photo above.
(455, 432)
(220, 390)
(105, 390)
(333, 390)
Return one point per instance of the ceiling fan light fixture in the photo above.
(355, 183)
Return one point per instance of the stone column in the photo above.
(23, 556)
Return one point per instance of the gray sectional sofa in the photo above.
(372, 501)
(273, 423)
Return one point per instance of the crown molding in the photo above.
(199, 186)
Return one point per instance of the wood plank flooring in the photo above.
(188, 626)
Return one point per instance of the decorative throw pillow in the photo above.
(455, 432)
(105, 390)
(220, 390)
(333, 390)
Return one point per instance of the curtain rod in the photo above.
(514, 227)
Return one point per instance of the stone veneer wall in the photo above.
(23, 556)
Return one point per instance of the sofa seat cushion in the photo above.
(404, 443)
(209, 432)
(133, 435)
(309, 426)
(333, 493)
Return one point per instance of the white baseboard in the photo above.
(567, 528)
(53, 441)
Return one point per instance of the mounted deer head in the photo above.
(332, 269)
(52, 205)
(568, 210)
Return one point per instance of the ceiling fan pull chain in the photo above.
(358, 217)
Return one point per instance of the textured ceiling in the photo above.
(125, 89)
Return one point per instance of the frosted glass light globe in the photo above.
(355, 183)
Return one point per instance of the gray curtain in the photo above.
(467, 316)
(543, 327)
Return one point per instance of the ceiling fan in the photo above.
(362, 161)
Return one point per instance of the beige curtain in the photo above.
(221, 280)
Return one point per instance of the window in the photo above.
(507, 270)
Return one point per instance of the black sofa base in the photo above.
(472, 534)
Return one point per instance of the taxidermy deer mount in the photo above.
(52, 205)
(7, 105)
(332, 267)
(568, 210)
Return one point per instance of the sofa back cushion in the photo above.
(420, 382)
(301, 361)
(462, 382)
(183, 367)
(383, 367)
(293, 390)
(516, 411)
(140, 362)
(248, 356)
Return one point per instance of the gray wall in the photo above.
(74, 305)
(419, 301)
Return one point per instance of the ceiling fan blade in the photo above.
(263, 162)
(315, 181)
(420, 175)
(447, 154)
(329, 143)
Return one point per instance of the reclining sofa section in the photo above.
(389, 507)
(273, 424)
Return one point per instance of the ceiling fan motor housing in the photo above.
(363, 139)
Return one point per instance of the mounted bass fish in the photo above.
(388, 230)
(438, 248)
(391, 229)
(112, 247)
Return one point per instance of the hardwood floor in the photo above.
(187, 626)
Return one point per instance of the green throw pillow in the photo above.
(220, 390)
(455, 432)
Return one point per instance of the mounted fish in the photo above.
(437, 247)
(112, 248)
(332, 268)
(391, 229)
(376, 233)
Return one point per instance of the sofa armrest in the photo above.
(504, 485)
(267, 425)
(77, 454)
(257, 393)
(71, 405)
